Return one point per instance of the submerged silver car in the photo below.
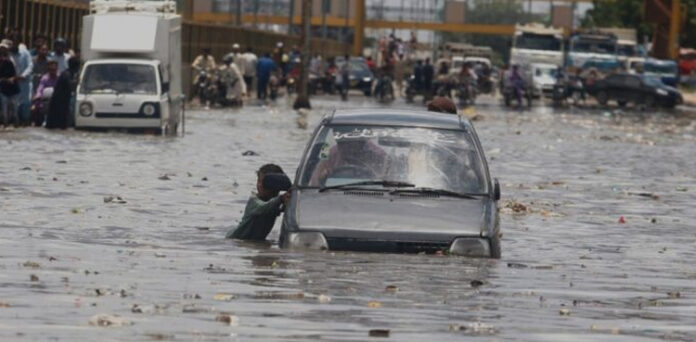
(394, 181)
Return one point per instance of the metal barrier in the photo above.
(53, 19)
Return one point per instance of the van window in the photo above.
(119, 79)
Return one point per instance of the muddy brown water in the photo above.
(570, 271)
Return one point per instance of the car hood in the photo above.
(379, 215)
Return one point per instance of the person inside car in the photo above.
(261, 210)
(355, 158)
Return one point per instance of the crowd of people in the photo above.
(242, 71)
(36, 84)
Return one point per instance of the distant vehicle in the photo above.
(536, 43)
(457, 63)
(544, 78)
(666, 70)
(638, 89)
(360, 75)
(584, 46)
(603, 65)
(635, 65)
(131, 77)
(483, 61)
(687, 62)
(394, 181)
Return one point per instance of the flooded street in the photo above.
(132, 227)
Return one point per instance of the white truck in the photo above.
(535, 43)
(131, 78)
(592, 47)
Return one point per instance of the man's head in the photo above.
(205, 52)
(59, 46)
(442, 104)
(249, 49)
(264, 193)
(39, 41)
(419, 62)
(427, 61)
(52, 67)
(42, 50)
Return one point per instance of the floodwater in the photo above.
(154, 259)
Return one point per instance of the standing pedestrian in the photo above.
(23, 64)
(59, 110)
(428, 74)
(399, 72)
(344, 77)
(264, 68)
(39, 42)
(250, 60)
(40, 62)
(9, 89)
(60, 54)
(46, 85)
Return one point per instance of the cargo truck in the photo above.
(131, 78)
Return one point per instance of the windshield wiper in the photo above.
(441, 192)
(384, 183)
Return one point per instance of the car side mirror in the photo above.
(165, 87)
(496, 189)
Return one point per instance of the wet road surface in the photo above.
(153, 257)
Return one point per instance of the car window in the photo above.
(434, 158)
(632, 81)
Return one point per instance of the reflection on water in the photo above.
(569, 272)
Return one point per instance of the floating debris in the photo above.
(249, 153)
(476, 283)
(228, 319)
(114, 199)
(164, 177)
(564, 312)
(474, 328)
(391, 288)
(379, 333)
(33, 277)
(104, 320)
(31, 264)
(374, 304)
(225, 297)
(323, 299)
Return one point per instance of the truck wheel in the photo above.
(603, 98)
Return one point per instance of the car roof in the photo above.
(398, 117)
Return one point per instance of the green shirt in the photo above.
(258, 220)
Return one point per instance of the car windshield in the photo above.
(427, 158)
(545, 72)
(358, 67)
(662, 68)
(653, 81)
(626, 50)
(120, 79)
(533, 41)
(593, 46)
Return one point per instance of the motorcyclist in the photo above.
(233, 81)
(516, 81)
(203, 64)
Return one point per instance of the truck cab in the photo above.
(596, 46)
(132, 75)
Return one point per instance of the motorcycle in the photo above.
(466, 93)
(206, 87)
(384, 90)
(518, 92)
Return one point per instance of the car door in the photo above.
(631, 91)
(615, 84)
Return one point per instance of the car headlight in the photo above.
(367, 79)
(472, 247)
(86, 109)
(661, 92)
(149, 109)
(307, 240)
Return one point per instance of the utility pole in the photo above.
(239, 12)
(302, 100)
(291, 17)
(323, 18)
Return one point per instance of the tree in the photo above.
(618, 13)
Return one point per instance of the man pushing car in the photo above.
(265, 206)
